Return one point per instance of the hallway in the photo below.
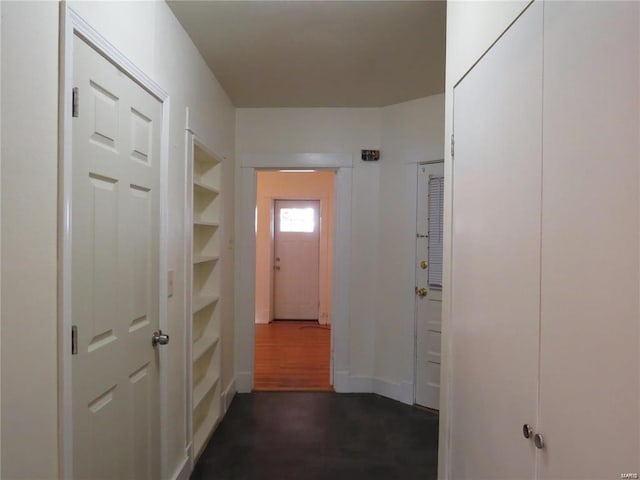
(321, 436)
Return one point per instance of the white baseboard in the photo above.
(408, 393)
(402, 392)
(227, 396)
(184, 470)
(360, 384)
(345, 383)
(244, 382)
(341, 381)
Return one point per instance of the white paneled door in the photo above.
(589, 368)
(115, 274)
(296, 259)
(429, 244)
(496, 257)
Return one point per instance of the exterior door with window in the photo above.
(429, 283)
(296, 259)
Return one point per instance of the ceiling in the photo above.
(320, 53)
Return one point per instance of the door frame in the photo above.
(415, 303)
(246, 196)
(72, 24)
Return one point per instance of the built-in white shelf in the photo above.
(205, 187)
(202, 301)
(205, 290)
(204, 258)
(203, 388)
(205, 223)
(203, 345)
(203, 432)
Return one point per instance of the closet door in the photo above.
(496, 257)
(590, 290)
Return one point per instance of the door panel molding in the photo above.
(73, 25)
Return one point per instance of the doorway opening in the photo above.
(294, 222)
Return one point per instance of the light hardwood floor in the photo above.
(292, 355)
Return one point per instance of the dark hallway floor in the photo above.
(321, 436)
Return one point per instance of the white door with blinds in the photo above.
(428, 264)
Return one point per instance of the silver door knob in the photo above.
(527, 431)
(159, 338)
(538, 439)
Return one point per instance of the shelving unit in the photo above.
(205, 290)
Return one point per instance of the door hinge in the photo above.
(74, 340)
(75, 100)
(453, 144)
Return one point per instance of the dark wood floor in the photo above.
(292, 355)
(321, 436)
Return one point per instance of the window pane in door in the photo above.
(297, 220)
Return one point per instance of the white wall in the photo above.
(472, 27)
(412, 133)
(381, 319)
(332, 130)
(149, 34)
(29, 230)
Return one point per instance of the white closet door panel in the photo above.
(496, 257)
(115, 234)
(589, 408)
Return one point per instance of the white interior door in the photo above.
(115, 276)
(296, 259)
(589, 368)
(496, 257)
(429, 283)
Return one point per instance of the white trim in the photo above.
(341, 382)
(227, 397)
(183, 471)
(73, 24)
(402, 392)
(340, 295)
(188, 281)
(244, 382)
(246, 275)
(360, 384)
(295, 160)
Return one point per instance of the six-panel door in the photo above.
(115, 277)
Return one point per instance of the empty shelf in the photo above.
(205, 187)
(205, 223)
(204, 258)
(204, 387)
(201, 301)
(203, 345)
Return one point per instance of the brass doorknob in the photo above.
(424, 264)
(421, 292)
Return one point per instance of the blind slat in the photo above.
(436, 214)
